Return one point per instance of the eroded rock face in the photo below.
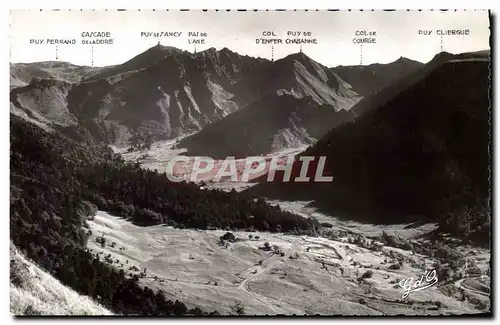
(300, 101)
(162, 93)
(165, 92)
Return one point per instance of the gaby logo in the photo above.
(425, 281)
(265, 169)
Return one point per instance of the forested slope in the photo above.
(56, 183)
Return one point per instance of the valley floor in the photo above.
(298, 275)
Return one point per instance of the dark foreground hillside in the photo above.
(424, 154)
(57, 183)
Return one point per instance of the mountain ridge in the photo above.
(164, 92)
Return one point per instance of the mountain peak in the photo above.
(402, 59)
(300, 56)
(443, 56)
(227, 51)
(297, 56)
(406, 61)
(162, 48)
(152, 55)
(211, 50)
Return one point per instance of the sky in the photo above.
(397, 33)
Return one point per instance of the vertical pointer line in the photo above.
(441, 43)
(361, 54)
(57, 54)
(272, 52)
(92, 55)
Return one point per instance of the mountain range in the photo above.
(165, 92)
(367, 79)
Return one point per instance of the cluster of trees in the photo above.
(140, 141)
(54, 177)
(147, 198)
